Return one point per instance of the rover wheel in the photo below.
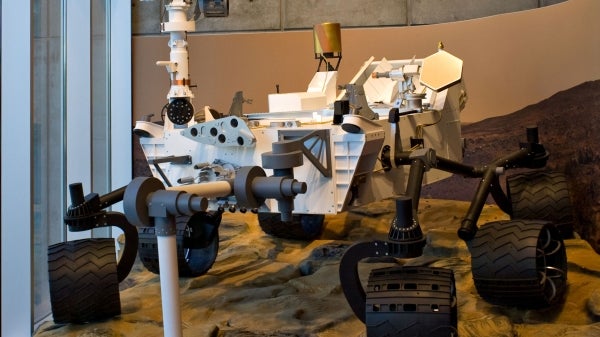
(411, 301)
(541, 195)
(83, 280)
(197, 244)
(519, 263)
(302, 226)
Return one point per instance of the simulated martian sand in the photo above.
(265, 286)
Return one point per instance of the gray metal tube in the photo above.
(208, 189)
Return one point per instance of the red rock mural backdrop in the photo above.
(569, 128)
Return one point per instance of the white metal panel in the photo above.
(78, 98)
(120, 98)
(16, 197)
(120, 93)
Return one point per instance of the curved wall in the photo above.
(281, 15)
(510, 60)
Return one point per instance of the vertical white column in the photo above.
(120, 93)
(169, 285)
(16, 162)
(121, 150)
(78, 99)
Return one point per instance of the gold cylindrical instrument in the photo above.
(328, 38)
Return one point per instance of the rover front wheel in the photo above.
(519, 263)
(197, 244)
(83, 280)
(411, 301)
(301, 227)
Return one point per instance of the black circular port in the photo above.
(180, 111)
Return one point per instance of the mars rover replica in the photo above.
(393, 128)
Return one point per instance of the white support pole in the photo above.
(169, 285)
(169, 279)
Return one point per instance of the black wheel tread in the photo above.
(411, 301)
(540, 195)
(198, 261)
(83, 280)
(508, 258)
(505, 265)
(302, 226)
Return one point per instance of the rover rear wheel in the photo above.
(197, 244)
(301, 227)
(83, 280)
(519, 263)
(541, 195)
(411, 301)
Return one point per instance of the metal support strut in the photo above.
(147, 203)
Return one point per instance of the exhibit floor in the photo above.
(265, 286)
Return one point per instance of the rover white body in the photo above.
(346, 170)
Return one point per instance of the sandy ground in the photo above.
(265, 286)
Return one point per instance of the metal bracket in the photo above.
(312, 144)
(358, 102)
(182, 160)
(427, 156)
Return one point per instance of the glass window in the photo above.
(50, 117)
(100, 87)
(62, 121)
(48, 143)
